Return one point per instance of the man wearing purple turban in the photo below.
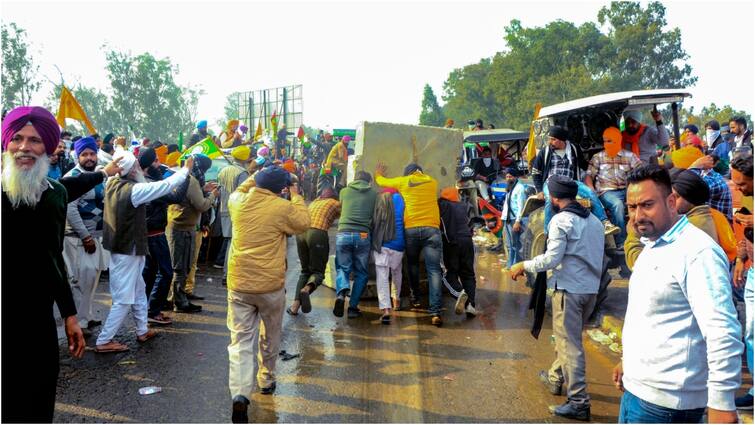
(33, 222)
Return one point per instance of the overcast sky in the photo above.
(357, 61)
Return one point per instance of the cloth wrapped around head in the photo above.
(263, 151)
(85, 143)
(613, 145)
(42, 120)
(328, 193)
(412, 168)
(562, 187)
(450, 194)
(127, 161)
(635, 115)
(558, 132)
(684, 157)
(346, 139)
(690, 186)
(172, 159)
(162, 153)
(202, 124)
(241, 153)
(273, 178)
(146, 157)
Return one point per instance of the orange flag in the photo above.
(70, 108)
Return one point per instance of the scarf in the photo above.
(633, 140)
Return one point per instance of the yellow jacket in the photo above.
(420, 193)
(261, 222)
(337, 159)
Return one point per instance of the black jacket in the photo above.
(488, 172)
(157, 210)
(542, 162)
(454, 222)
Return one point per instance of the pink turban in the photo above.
(40, 118)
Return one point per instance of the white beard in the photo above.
(24, 186)
(136, 174)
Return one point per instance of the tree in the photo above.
(17, 70)
(722, 115)
(431, 114)
(96, 105)
(562, 61)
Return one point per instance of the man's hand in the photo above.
(516, 271)
(722, 416)
(618, 375)
(541, 196)
(739, 274)
(216, 192)
(380, 169)
(656, 115)
(189, 163)
(113, 168)
(89, 246)
(517, 227)
(76, 342)
(210, 186)
(704, 163)
(743, 219)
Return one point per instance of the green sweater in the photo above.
(357, 205)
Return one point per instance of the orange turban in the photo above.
(172, 159)
(162, 153)
(450, 193)
(684, 157)
(289, 166)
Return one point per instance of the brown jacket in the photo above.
(261, 221)
(186, 215)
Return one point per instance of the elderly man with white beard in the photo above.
(33, 272)
(125, 236)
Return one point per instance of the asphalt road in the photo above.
(350, 370)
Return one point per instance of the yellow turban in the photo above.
(162, 153)
(172, 159)
(241, 153)
(684, 157)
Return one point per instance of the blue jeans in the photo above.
(428, 242)
(634, 410)
(749, 297)
(157, 273)
(614, 201)
(352, 253)
(513, 242)
(583, 192)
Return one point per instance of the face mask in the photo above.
(711, 135)
(612, 148)
(487, 161)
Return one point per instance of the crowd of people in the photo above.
(141, 212)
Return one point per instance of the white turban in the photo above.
(126, 160)
(635, 115)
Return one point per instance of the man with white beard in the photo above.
(125, 236)
(82, 248)
(33, 272)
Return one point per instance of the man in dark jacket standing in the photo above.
(158, 255)
(458, 250)
(353, 242)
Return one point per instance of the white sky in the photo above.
(357, 61)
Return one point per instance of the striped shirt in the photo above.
(322, 213)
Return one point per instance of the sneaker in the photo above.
(437, 321)
(553, 387)
(471, 311)
(189, 308)
(338, 307)
(610, 229)
(744, 402)
(268, 390)
(239, 410)
(354, 313)
(572, 411)
(461, 302)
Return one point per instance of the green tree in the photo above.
(146, 97)
(721, 114)
(231, 109)
(467, 94)
(17, 69)
(432, 113)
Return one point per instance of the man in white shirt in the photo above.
(681, 337)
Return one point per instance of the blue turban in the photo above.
(84, 143)
(273, 178)
(202, 124)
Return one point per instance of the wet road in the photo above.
(350, 370)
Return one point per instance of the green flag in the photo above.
(205, 147)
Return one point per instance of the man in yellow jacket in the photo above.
(261, 222)
(422, 224)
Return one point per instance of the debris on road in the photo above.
(149, 390)
(449, 377)
(288, 356)
(127, 362)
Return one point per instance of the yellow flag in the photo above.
(70, 108)
(258, 133)
(531, 148)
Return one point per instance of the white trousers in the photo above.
(388, 261)
(128, 292)
(84, 274)
(484, 189)
(250, 314)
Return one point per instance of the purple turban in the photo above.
(84, 143)
(243, 129)
(40, 118)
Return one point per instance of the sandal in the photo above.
(146, 337)
(291, 312)
(111, 347)
(385, 319)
